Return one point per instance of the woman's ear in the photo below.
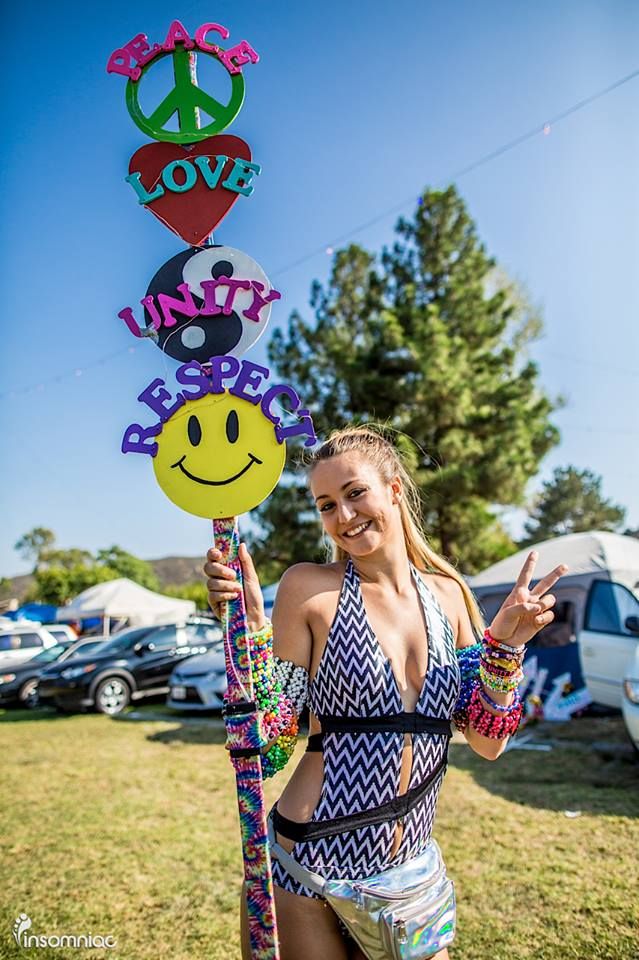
(396, 488)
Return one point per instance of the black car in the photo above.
(19, 681)
(134, 664)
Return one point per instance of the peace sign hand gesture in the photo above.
(524, 612)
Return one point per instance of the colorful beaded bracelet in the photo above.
(500, 707)
(501, 645)
(499, 656)
(490, 725)
(500, 684)
(499, 670)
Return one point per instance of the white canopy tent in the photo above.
(597, 552)
(122, 598)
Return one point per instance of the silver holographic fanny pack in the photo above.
(404, 913)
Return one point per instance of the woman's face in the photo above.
(358, 510)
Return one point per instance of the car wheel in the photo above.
(112, 696)
(28, 694)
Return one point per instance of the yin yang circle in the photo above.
(202, 337)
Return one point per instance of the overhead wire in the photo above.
(543, 128)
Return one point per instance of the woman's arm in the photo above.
(524, 612)
(280, 652)
(281, 656)
(292, 637)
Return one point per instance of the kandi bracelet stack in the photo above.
(489, 666)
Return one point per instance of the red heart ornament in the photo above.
(196, 212)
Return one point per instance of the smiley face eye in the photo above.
(194, 430)
(232, 427)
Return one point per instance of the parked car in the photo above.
(609, 640)
(630, 700)
(22, 641)
(61, 631)
(19, 681)
(199, 683)
(132, 665)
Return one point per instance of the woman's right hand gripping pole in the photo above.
(222, 585)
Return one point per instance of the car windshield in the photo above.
(84, 649)
(125, 640)
(49, 654)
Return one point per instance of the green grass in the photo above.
(130, 829)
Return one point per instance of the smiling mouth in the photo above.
(214, 483)
(361, 528)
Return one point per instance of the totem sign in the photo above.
(218, 444)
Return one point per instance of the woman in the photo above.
(378, 631)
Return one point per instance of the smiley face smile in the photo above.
(214, 483)
(218, 456)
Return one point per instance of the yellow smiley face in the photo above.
(218, 456)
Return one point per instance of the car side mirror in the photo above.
(632, 624)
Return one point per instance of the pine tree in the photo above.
(431, 340)
(571, 502)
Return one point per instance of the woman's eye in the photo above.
(356, 492)
(324, 507)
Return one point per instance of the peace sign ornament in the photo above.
(186, 100)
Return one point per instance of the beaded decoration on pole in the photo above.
(278, 718)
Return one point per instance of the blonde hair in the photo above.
(368, 441)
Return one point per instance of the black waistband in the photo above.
(390, 723)
(393, 810)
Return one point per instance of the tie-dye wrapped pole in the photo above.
(244, 740)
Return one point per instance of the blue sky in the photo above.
(353, 108)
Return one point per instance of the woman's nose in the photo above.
(345, 512)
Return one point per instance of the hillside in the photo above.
(169, 570)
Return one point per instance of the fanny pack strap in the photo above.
(296, 870)
(394, 809)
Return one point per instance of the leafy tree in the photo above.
(196, 591)
(72, 557)
(61, 574)
(58, 584)
(432, 340)
(5, 588)
(290, 532)
(571, 502)
(124, 564)
(32, 544)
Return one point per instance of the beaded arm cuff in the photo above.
(468, 660)
(281, 691)
(294, 682)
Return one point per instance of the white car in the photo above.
(23, 640)
(609, 640)
(61, 631)
(630, 700)
(199, 683)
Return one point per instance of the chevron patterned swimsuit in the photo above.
(362, 768)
